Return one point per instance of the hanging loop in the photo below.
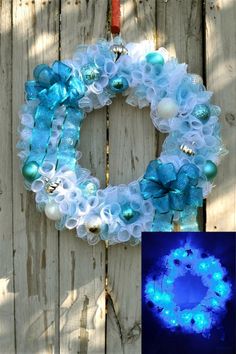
(115, 17)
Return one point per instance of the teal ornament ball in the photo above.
(128, 215)
(90, 73)
(210, 170)
(155, 58)
(30, 171)
(202, 112)
(44, 75)
(118, 84)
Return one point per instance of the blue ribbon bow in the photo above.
(171, 190)
(56, 85)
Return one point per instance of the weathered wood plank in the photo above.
(221, 79)
(82, 267)
(7, 335)
(132, 143)
(35, 40)
(179, 30)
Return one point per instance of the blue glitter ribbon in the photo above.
(56, 85)
(171, 190)
(52, 87)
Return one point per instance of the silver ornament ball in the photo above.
(118, 50)
(93, 224)
(51, 186)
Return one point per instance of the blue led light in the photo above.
(207, 313)
(217, 276)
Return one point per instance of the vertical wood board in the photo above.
(132, 144)
(221, 79)
(35, 40)
(7, 335)
(82, 267)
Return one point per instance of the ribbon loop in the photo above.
(171, 190)
(56, 85)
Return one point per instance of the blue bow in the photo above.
(56, 85)
(171, 190)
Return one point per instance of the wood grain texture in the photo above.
(52, 287)
(35, 40)
(82, 267)
(129, 140)
(132, 144)
(7, 335)
(221, 79)
(180, 31)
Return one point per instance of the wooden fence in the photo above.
(53, 295)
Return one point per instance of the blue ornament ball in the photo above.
(90, 73)
(118, 84)
(155, 58)
(210, 170)
(202, 112)
(44, 75)
(30, 171)
(128, 214)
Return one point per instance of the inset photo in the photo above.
(188, 293)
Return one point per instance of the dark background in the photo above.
(158, 340)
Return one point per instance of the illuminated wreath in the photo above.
(159, 292)
(172, 187)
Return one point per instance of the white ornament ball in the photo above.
(167, 108)
(93, 224)
(52, 211)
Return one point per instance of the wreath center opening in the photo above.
(188, 291)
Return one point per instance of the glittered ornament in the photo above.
(155, 58)
(196, 79)
(89, 188)
(118, 84)
(215, 111)
(167, 108)
(52, 211)
(90, 73)
(93, 224)
(210, 169)
(202, 112)
(128, 215)
(30, 171)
